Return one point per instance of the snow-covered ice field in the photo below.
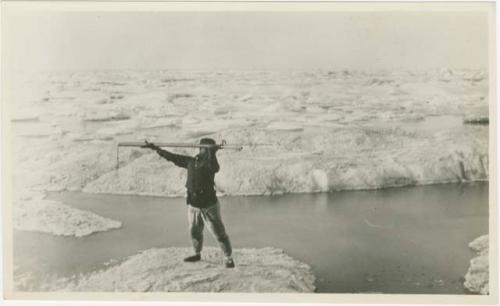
(322, 131)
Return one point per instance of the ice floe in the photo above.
(477, 277)
(58, 219)
(163, 270)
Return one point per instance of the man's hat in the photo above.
(207, 141)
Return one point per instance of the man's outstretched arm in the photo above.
(177, 159)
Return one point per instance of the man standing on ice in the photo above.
(203, 205)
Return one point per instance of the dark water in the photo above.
(400, 240)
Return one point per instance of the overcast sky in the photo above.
(246, 40)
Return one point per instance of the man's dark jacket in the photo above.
(200, 176)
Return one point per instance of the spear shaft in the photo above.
(179, 145)
(223, 145)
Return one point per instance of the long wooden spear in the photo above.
(223, 145)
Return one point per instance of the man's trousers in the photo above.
(211, 217)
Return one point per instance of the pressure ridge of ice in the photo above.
(449, 156)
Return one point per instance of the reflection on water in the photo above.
(401, 240)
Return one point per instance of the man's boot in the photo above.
(229, 262)
(193, 258)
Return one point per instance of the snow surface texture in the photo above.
(162, 270)
(477, 277)
(324, 130)
(56, 218)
